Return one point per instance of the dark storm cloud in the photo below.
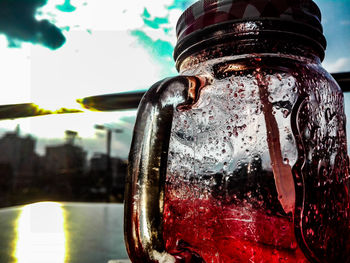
(18, 23)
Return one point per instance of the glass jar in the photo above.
(243, 157)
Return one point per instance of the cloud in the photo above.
(158, 34)
(341, 64)
(18, 23)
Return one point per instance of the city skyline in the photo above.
(64, 172)
(50, 130)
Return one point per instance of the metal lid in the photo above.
(206, 13)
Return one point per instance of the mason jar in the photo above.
(243, 156)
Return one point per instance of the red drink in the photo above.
(207, 230)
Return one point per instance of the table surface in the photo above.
(62, 232)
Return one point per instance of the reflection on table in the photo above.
(62, 232)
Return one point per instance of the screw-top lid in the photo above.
(206, 13)
(289, 26)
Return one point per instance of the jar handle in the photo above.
(144, 193)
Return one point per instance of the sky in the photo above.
(64, 50)
(336, 24)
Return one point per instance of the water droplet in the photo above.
(310, 232)
(329, 115)
(286, 113)
(293, 245)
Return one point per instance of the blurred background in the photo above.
(55, 148)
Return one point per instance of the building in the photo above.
(109, 178)
(65, 159)
(18, 154)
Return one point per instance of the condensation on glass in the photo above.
(243, 157)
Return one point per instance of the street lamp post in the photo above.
(109, 177)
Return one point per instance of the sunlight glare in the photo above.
(41, 235)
